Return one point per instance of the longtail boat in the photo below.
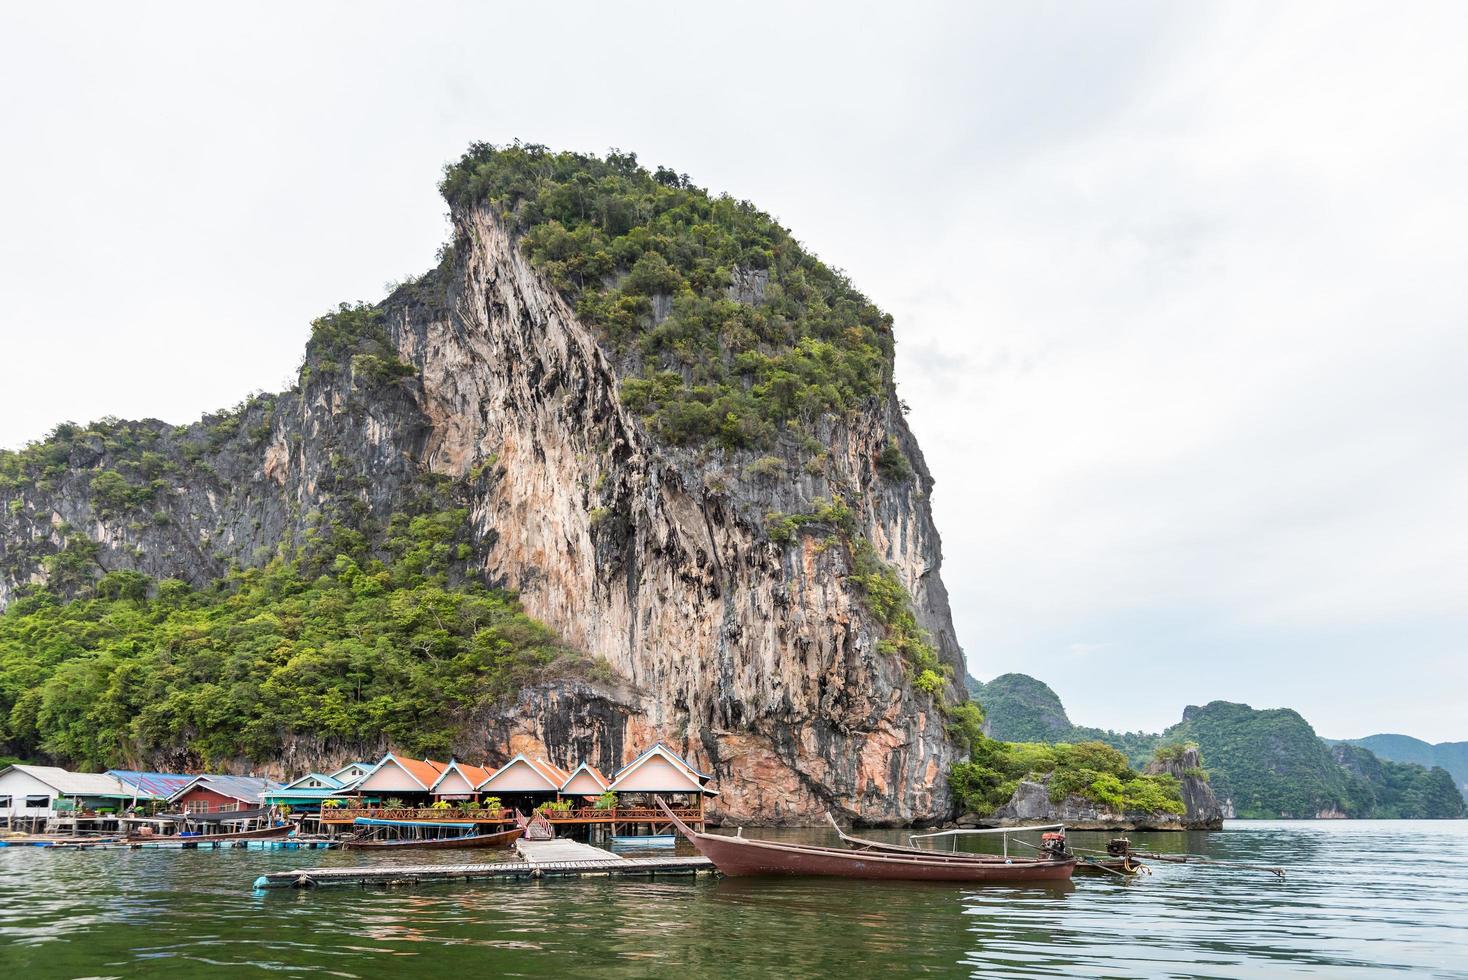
(503, 838)
(736, 856)
(1118, 862)
(258, 834)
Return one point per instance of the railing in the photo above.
(344, 814)
(619, 814)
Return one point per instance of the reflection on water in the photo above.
(1361, 899)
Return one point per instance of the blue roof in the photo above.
(160, 785)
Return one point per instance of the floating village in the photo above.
(558, 822)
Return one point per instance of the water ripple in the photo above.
(1362, 899)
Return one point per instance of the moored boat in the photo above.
(260, 833)
(467, 839)
(1121, 865)
(737, 856)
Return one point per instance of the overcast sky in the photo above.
(1180, 289)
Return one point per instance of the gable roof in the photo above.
(152, 785)
(554, 776)
(595, 773)
(246, 789)
(68, 783)
(327, 782)
(659, 750)
(346, 775)
(424, 772)
(473, 775)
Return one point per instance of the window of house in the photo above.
(5, 802)
(198, 806)
(38, 802)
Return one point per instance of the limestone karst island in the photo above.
(602, 548)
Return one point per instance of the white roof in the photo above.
(69, 783)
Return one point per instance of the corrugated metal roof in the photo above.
(247, 789)
(69, 783)
(155, 785)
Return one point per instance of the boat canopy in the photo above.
(374, 822)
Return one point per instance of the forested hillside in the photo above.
(1452, 756)
(328, 645)
(1267, 763)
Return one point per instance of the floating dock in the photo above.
(540, 859)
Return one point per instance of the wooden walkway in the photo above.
(559, 851)
(543, 859)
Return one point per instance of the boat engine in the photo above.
(1119, 847)
(1052, 844)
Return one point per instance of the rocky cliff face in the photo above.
(1203, 809)
(757, 659)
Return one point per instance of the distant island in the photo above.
(1260, 763)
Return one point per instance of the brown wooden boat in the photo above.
(503, 838)
(736, 856)
(262, 833)
(881, 847)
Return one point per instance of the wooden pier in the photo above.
(540, 859)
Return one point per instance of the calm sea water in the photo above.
(1363, 898)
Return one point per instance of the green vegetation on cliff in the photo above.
(1391, 790)
(1090, 770)
(1271, 763)
(1452, 756)
(1266, 763)
(327, 644)
(1022, 709)
(732, 332)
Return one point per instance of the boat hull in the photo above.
(749, 858)
(502, 839)
(262, 834)
(740, 857)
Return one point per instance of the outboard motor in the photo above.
(1052, 844)
(1119, 847)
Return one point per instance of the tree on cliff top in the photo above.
(738, 336)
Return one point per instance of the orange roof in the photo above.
(475, 774)
(550, 771)
(426, 771)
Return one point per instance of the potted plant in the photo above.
(607, 801)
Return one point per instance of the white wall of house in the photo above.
(655, 775)
(518, 777)
(18, 790)
(583, 784)
(453, 782)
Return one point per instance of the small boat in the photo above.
(468, 838)
(644, 840)
(503, 838)
(737, 856)
(1055, 834)
(260, 833)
